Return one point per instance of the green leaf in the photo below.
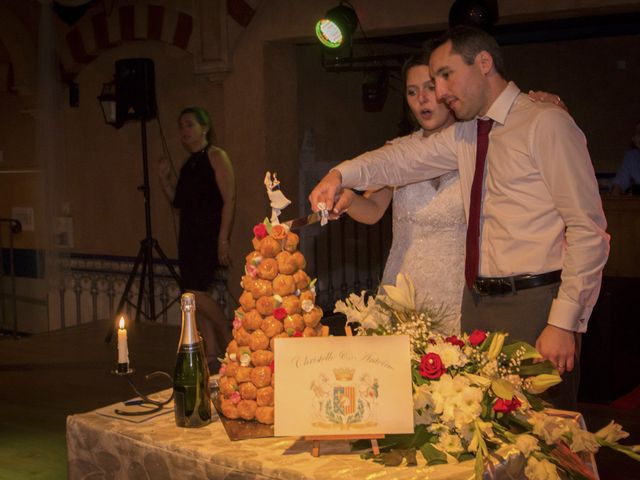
(484, 346)
(432, 455)
(267, 223)
(520, 425)
(422, 436)
(536, 369)
(479, 465)
(536, 403)
(463, 457)
(529, 351)
(502, 389)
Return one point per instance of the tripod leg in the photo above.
(174, 274)
(168, 264)
(152, 293)
(143, 273)
(125, 293)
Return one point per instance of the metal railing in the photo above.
(91, 286)
(346, 256)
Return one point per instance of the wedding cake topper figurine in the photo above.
(276, 198)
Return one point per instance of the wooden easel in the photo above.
(315, 449)
(315, 439)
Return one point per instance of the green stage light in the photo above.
(335, 30)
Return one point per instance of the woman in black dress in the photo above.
(205, 196)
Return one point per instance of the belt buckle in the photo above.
(504, 286)
(481, 287)
(491, 287)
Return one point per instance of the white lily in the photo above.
(402, 293)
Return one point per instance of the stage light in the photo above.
(335, 30)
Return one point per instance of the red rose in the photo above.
(260, 231)
(280, 313)
(297, 334)
(431, 366)
(477, 337)
(453, 340)
(506, 406)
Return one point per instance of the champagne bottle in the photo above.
(192, 397)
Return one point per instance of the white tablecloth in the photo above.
(101, 445)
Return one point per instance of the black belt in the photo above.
(504, 285)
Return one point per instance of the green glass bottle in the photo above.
(192, 397)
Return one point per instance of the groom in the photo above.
(536, 241)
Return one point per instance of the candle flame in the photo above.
(122, 323)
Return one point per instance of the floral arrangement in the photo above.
(475, 396)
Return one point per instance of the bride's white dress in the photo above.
(429, 230)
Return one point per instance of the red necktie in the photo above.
(472, 257)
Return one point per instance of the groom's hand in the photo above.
(326, 190)
(558, 346)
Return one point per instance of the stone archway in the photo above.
(99, 32)
(206, 32)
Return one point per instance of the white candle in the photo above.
(123, 349)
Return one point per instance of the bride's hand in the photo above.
(343, 202)
(540, 96)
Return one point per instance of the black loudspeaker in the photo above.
(135, 89)
(475, 13)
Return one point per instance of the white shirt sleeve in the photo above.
(560, 152)
(412, 160)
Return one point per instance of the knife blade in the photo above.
(301, 222)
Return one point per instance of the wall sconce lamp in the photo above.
(107, 99)
(337, 27)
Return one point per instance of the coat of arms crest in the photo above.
(344, 401)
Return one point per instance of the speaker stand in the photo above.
(144, 259)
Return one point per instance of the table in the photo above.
(100, 444)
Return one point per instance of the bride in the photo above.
(429, 225)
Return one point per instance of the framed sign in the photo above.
(343, 386)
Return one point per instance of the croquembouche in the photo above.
(278, 300)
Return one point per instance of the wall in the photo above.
(601, 93)
(273, 93)
(104, 165)
(330, 102)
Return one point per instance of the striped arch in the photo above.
(99, 32)
(22, 52)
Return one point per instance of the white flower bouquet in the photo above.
(476, 396)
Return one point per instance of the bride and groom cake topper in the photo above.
(279, 202)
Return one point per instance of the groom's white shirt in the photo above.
(541, 209)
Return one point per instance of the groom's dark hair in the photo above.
(468, 42)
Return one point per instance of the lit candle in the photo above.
(123, 349)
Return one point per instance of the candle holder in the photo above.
(123, 369)
(143, 400)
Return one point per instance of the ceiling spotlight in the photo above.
(336, 28)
